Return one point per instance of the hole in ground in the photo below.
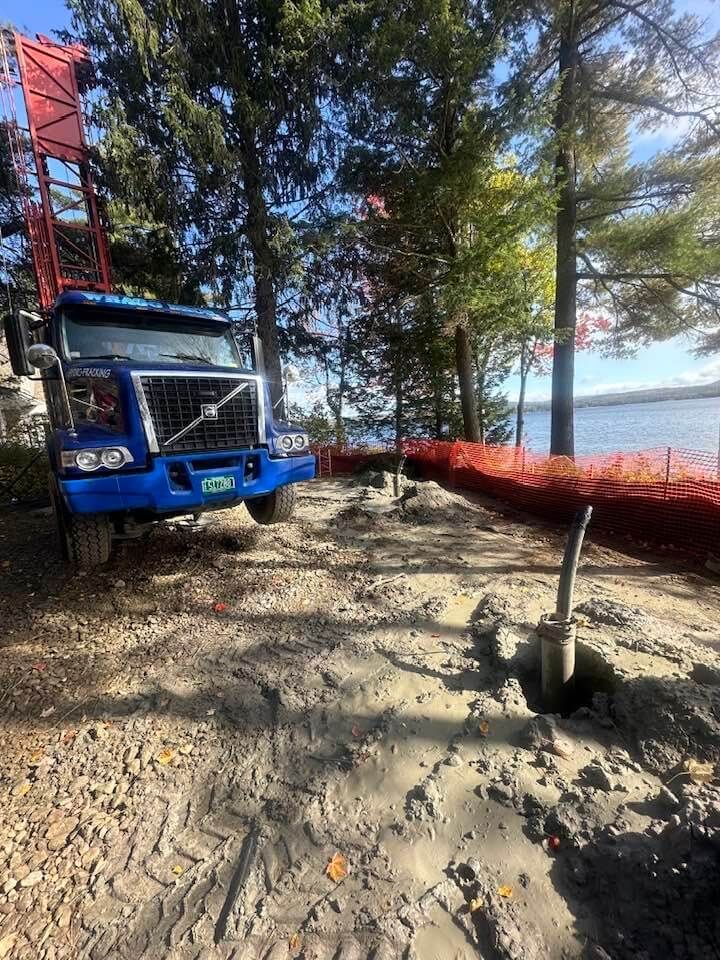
(593, 675)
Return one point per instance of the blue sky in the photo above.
(658, 365)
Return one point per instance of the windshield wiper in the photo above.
(189, 357)
(105, 356)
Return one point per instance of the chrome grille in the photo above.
(175, 406)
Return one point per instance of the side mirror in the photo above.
(18, 341)
(42, 356)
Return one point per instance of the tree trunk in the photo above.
(468, 400)
(398, 410)
(562, 439)
(481, 366)
(342, 383)
(258, 233)
(524, 371)
(438, 407)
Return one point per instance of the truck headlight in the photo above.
(87, 459)
(112, 458)
(286, 442)
(300, 441)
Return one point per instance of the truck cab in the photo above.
(156, 411)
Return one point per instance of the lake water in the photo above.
(691, 424)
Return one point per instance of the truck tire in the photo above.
(85, 538)
(89, 539)
(275, 507)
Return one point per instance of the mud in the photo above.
(190, 736)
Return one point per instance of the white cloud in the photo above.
(707, 373)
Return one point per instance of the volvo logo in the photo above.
(209, 411)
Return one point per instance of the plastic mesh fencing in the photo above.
(663, 496)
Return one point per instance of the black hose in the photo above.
(566, 587)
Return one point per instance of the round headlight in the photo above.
(112, 458)
(299, 441)
(87, 459)
(286, 442)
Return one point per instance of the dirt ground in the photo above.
(192, 737)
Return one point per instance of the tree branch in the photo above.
(652, 103)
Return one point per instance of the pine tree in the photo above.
(641, 238)
(213, 112)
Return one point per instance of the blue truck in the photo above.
(156, 411)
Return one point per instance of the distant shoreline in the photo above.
(698, 392)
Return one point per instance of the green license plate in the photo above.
(217, 484)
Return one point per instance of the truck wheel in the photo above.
(274, 507)
(89, 539)
(85, 539)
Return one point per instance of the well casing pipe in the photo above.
(557, 630)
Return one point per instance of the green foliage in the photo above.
(215, 127)
(647, 232)
(316, 421)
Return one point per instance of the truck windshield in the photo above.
(145, 337)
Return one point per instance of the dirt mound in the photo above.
(381, 483)
(669, 720)
(428, 502)
(658, 891)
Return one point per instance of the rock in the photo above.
(596, 952)
(21, 871)
(539, 730)
(63, 915)
(61, 828)
(9, 885)
(31, 879)
(501, 793)
(425, 800)
(20, 787)
(454, 760)
(6, 944)
(597, 776)
(666, 798)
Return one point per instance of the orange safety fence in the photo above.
(662, 496)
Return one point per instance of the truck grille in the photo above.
(176, 406)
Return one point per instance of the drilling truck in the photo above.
(156, 410)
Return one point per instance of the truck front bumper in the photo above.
(174, 485)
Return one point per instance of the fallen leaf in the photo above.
(484, 728)
(220, 607)
(69, 736)
(165, 756)
(36, 757)
(23, 789)
(295, 942)
(699, 772)
(186, 749)
(48, 712)
(505, 891)
(337, 869)
(177, 870)
(40, 666)
(475, 904)
(356, 731)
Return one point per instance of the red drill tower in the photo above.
(50, 156)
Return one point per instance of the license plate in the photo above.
(217, 484)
